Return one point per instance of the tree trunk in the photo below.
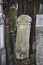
(19, 7)
(13, 31)
(9, 59)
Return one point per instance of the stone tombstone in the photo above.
(23, 35)
(39, 40)
(2, 46)
(1, 29)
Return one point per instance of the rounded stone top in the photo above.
(24, 19)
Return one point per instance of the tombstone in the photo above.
(23, 35)
(2, 46)
(39, 40)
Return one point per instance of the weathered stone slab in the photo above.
(3, 56)
(2, 42)
(1, 29)
(39, 40)
(1, 36)
(39, 48)
(23, 34)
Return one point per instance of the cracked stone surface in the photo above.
(39, 46)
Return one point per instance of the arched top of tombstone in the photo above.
(24, 19)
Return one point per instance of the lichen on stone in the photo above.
(23, 34)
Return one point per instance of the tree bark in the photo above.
(13, 31)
